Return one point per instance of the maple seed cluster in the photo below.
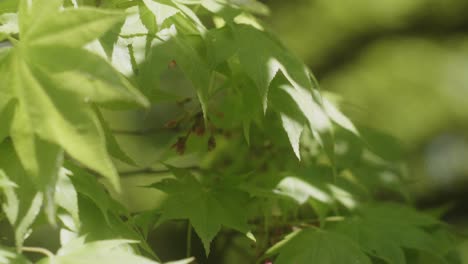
(198, 128)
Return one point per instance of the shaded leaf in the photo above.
(112, 145)
(316, 246)
(87, 185)
(208, 208)
(91, 223)
(263, 60)
(22, 202)
(385, 230)
(180, 49)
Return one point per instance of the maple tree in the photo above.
(230, 126)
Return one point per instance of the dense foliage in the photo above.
(211, 108)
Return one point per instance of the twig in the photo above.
(38, 250)
(153, 171)
(144, 132)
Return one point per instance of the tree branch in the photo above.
(154, 171)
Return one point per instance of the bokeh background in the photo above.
(401, 67)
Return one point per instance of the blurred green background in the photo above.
(401, 67)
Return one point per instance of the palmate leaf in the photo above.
(384, 231)
(164, 10)
(273, 69)
(180, 20)
(178, 48)
(207, 208)
(113, 251)
(97, 227)
(94, 213)
(316, 246)
(53, 83)
(88, 186)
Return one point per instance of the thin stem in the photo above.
(132, 59)
(211, 82)
(143, 132)
(135, 35)
(38, 250)
(189, 239)
(153, 171)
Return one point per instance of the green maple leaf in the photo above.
(208, 208)
(115, 251)
(167, 10)
(316, 246)
(384, 231)
(283, 82)
(53, 84)
(22, 202)
(179, 48)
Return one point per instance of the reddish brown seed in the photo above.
(228, 134)
(199, 130)
(179, 146)
(171, 124)
(211, 143)
(172, 64)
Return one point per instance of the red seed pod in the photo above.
(227, 134)
(171, 124)
(211, 143)
(179, 146)
(199, 130)
(172, 64)
(199, 125)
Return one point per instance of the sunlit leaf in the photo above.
(55, 84)
(9, 23)
(66, 196)
(105, 251)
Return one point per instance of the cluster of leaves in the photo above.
(269, 156)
